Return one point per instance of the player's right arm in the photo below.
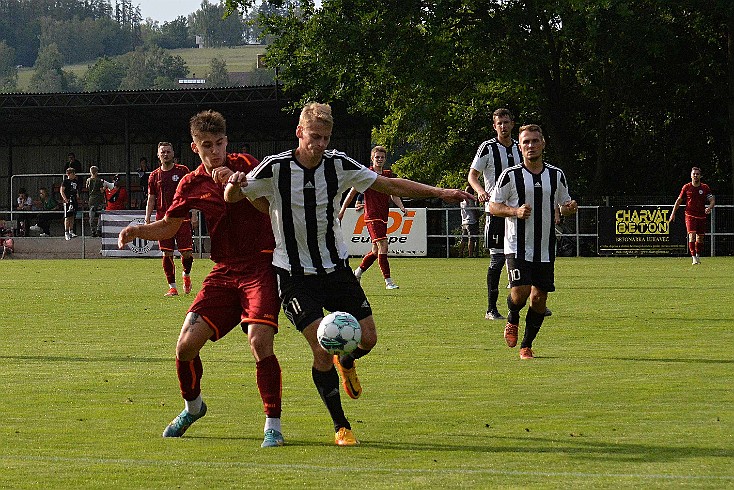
(473, 179)
(149, 206)
(158, 230)
(675, 208)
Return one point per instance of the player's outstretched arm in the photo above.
(409, 188)
(569, 208)
(158, 230)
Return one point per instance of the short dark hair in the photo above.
(207, 122)
(501, 112)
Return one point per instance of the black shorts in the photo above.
(494, 233)
(470, 230)
(520, 272)
(70, 209)
(304, 298)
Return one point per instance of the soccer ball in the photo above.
(339, 333)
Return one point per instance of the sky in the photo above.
(167, 10)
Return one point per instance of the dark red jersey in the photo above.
(696, 199)
(239, 232)
(377, 204)
(162, 184)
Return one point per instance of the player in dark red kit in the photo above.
(376, 213)
(162, 184)
(241, 289)
(696, 195)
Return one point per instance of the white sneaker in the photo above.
(67, 236)
(358, 274)
(72, 234)
(35, 228)
(390, 285)
(696, 260)
(44, 234)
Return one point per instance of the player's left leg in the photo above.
(187, 260)
(269, 380)
(699, 247)
(381, 245)
(194, 334)
(494, 272)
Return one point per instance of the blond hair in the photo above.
(316, 113)
(533, 128)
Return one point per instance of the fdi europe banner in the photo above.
(641, 230)
(113, 222)
(406, 235)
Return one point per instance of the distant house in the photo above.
(192, 82)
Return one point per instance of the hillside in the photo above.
(238, 58)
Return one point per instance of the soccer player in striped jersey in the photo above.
(303, 189)
(162, 184)
(240, 290)
(697, 195)
(527, 195)
(493, 156)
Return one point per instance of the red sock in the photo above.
(384, 265)
(692, 248)
(187, 262)
(189, 377)
(699, 247)
(169, 268)
(367, 261)
(269, 383)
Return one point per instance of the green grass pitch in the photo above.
(633, 385)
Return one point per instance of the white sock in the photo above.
(185, 275)
(172, 285)
(194, 406)
(358, 272)
(272, 423)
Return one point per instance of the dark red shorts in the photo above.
(377, 229)
(235, 294)
(696, 225)
(182, 241)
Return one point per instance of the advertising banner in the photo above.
(407, 235)
(113, 222)
(641, 230)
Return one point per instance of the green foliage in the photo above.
(629, 390)
(8, 71)
(170, 35)
(218, 76)
(106, 74)
(147, 68)
(613, 83)
(49, 75)
(216, 30)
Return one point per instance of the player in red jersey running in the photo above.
(376, 213)
(162, 184)
(696, 195)
(241, 289)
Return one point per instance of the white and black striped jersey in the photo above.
(533, 239)
(304, 208)
(492, 158)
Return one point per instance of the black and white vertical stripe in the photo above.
(533, 239)
(304, 208)
(492, 158)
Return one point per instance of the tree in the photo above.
(106, 74)
(49, 75)
(210, 23)
(8, 71)
(218, 75)
(614, 83)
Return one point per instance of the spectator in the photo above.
(469, 225)
(6, 240)
(70, 188)
(95, 186)
(73, 163)
(116, 196)
(25, 203)
(45, 202)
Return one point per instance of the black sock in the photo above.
(347, 361)
(327, 384)
(533, 321)
(493, 281)
(514, 311)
